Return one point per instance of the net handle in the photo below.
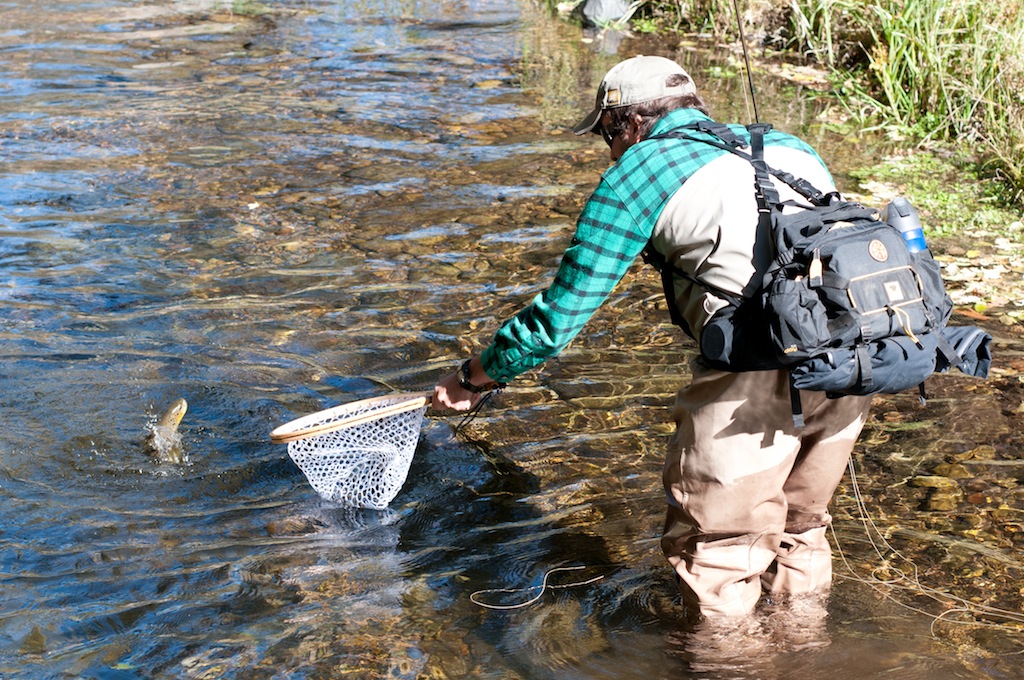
(312, 424)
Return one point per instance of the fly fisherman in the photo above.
(747, 490)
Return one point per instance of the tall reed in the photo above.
(944, 68)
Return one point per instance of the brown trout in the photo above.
(164, 441)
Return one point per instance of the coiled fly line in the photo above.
(886, 578)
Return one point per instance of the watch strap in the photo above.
(464, 373)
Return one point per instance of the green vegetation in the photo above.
(952, 199)
(950, 70)
(943, 69)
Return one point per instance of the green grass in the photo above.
(950, 196)
(939, 69)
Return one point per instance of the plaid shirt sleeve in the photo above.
(606, 242)
(612, 230)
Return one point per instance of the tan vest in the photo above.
(709, 228)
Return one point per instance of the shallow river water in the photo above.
(271, 209)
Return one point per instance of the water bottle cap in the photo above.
(902, 206)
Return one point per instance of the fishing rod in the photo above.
(746, 59)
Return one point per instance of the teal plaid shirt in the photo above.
(612, 230)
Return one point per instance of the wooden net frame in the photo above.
(357, 454)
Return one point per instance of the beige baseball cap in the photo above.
(634, 81)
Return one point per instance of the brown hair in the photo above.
(653, 111)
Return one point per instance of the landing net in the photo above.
(357, 454)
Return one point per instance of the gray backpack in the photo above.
(845, 305)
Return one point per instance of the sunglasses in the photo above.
(608, 137)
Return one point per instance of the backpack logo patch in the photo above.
(878, 251)
(894, 291)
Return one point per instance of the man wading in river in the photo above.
(747, 491)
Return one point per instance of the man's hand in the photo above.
(449, 394)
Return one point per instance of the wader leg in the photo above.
(804, 563)
(729, 487)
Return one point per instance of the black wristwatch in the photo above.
(465, 371)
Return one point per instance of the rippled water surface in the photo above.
(271, 209)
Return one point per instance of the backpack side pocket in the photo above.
(797, 318)
(936, 299)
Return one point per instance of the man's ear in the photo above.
(636, 121)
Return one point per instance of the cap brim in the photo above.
(589, 123)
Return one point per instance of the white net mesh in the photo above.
(362, 465)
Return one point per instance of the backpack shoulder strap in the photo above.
(767, 196)
(768, 200)
(724, 138)
(763, 173)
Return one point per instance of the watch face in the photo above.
(464, 373)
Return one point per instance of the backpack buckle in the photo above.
(814, 274)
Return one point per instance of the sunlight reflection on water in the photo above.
(268, 214)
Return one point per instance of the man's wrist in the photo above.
(465, 374)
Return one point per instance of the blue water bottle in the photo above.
(900, 214)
